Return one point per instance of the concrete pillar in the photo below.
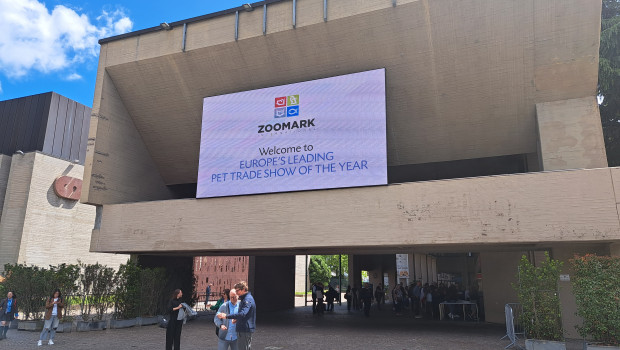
(355, 271)
(273, 282)
(499, 270)
(570, 134)
(302, 280)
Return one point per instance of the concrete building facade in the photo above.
(44, 144)
(494, 140)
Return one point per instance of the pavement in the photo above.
(292, 329)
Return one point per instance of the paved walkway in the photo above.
(294, 329)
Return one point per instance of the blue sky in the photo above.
(52, 45)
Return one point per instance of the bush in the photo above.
(537, 292)
(96, 286)
(128, 291)
(596, 285)
(30, 285)
(139, 291)
(152, 284)
(134, 291)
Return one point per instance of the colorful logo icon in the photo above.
(286, 106)
(292, 100)
(292, 111)
(280, 102)
(280, 112)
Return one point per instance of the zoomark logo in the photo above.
(286, 107)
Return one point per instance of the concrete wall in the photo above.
(118, 166)
(499, 270)
(15, 208)
(40, 228)
(524, 209)
(570, 134)
(5, 167)
(463, 79)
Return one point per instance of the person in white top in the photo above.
(53, 314)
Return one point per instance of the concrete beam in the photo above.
(513, 209)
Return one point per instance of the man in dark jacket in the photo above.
(245, 318)
(366, 295)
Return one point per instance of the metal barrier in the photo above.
(512, 312)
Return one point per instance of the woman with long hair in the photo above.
(8, 311)
(175, 325)
(53, 313)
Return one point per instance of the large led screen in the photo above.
(325, 133)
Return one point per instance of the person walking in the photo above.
(227, 333)
(314, 288)
(175, 324)
(330, 296)
(8, 312)
(53, 314)
(348, 297)
(246, 317)
(379, 296)
(207, 293)
(366, 295)
(320, 307)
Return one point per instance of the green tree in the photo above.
(609, 78)
(319, 270)
(334, 266)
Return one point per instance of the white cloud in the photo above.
(73, 76)
(0, 87)
(33, 38)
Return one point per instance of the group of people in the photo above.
(235, 320)
(424, 300)
(362, 298)
(53, 314)
(319, 296)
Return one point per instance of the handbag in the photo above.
(163, 323)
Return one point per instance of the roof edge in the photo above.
(186, 21)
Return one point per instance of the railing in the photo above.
(514, 328)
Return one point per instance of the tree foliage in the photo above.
(537, 290)
(333, 262)
(319, 270)
(596, 284)
(609, 78)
